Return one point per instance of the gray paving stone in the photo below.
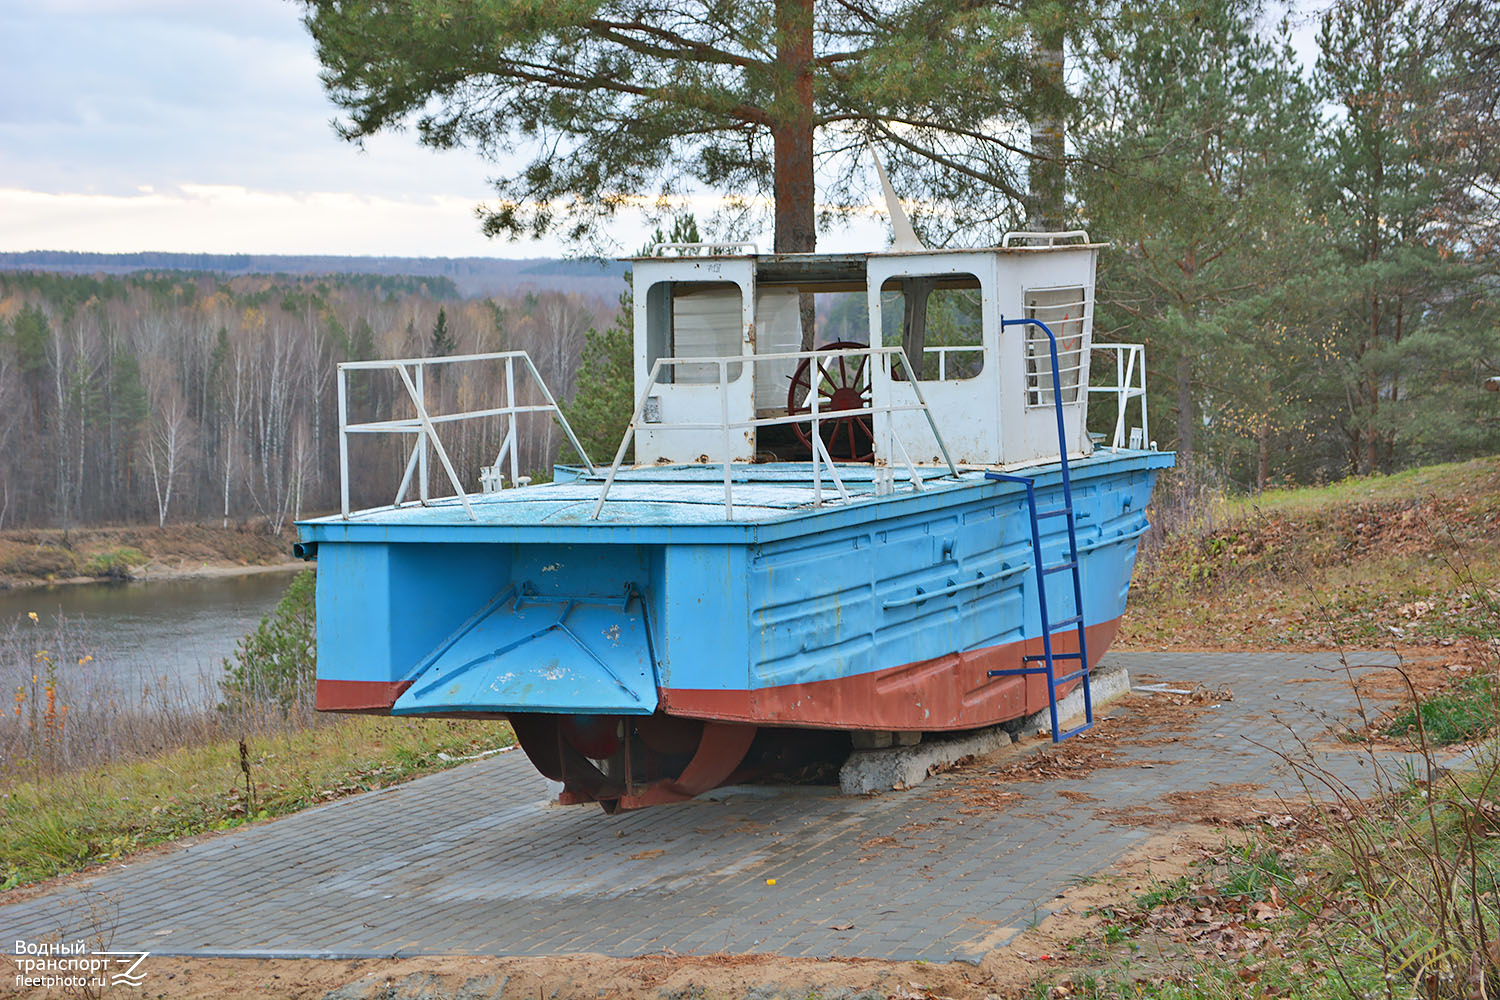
(472, 861)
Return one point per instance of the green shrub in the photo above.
(115, 564)
(277, 663)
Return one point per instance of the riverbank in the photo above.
(31, 557)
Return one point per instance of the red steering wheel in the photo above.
(843, 383)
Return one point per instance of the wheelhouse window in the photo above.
(939, 320)
(695, 319)
(1063, 310)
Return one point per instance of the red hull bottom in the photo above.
(946, 693)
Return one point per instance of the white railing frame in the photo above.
(1130, 383)
(1008, 239)
(413, 374)
(943, 352)
(713, 249)
(814, 418)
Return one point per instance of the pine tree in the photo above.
(613, 99)
(442, 341)
(1412, 316)
(32, 335)
(1199, 179)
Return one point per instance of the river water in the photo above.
(170, 635)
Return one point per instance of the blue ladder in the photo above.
(1049, 659)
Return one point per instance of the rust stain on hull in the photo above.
(912, 697)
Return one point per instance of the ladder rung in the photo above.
(1059, 567)
(1066, 678)
(1017, 671)
(1072, 732)
(1054, 626)
(1055, 656)
(1054, 512)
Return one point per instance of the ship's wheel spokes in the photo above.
(840, 386)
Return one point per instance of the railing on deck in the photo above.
(1130, 383)
(942, 356)
(413, 374)
(885, 357)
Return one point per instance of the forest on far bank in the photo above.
(187, 396)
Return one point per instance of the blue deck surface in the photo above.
(679, 503)
(676, 494)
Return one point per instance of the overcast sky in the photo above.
(200, 126)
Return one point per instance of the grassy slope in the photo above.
(59, 824)
(1408, 558)
(1387, 896)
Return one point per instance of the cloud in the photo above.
(106, 96)
(206, 218)
(200, 125)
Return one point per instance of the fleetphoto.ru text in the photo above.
(71, 966)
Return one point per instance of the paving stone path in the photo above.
(472, 861)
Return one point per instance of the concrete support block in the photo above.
(903, 767)
(897, 767)
(1106, 687)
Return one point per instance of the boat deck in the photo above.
(667, 497)
(654, 495)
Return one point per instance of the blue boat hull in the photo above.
(886, 613)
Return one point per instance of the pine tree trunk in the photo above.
(792, 139)
(1184, 406)
(792, 132)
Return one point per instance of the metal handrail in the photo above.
(712, 248)
(1051, 238)
(814, 418)
(1130, 364)
(413, 374)
(943, 351)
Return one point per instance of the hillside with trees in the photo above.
(468, 275)
(171, 396)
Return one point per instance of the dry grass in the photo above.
(65, 709)
(1377, 560)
